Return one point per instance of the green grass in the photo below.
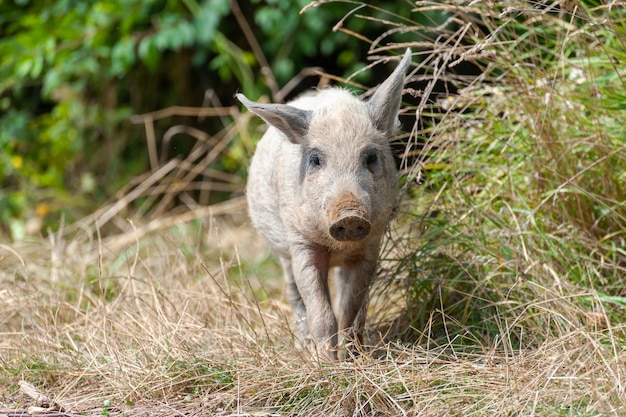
(500, 287)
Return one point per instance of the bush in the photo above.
(518, 228)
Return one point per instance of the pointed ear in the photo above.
(291, 121)
(385, 103)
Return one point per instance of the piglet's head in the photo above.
(346, 173)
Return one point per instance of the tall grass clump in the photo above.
(517, 232)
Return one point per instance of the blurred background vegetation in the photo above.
(73, 72)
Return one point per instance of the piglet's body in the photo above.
(321, 190)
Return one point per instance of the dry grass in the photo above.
(500, 288)
(178, 323)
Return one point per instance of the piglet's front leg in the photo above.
(297, 305)
(310, 268)
(352, 285)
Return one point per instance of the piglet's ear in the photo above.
(291, 121)
(385, 103)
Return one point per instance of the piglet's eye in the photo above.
(315, 160)
(371, 160)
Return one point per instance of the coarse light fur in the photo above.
(322, 187)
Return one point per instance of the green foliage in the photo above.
(69, 72)
(63, 71)
(518, 229)
(569, 185)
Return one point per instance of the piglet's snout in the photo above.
(349, 225)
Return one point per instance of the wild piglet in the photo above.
(321, 190)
